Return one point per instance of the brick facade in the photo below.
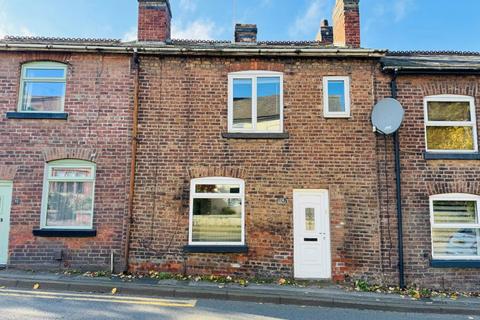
(181, 123)
(99, 103)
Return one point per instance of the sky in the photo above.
(385, 24)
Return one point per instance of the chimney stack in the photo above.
(325, 34)
(245, 33)
(154, 20)
(346, 23)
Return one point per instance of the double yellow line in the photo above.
(99, 298)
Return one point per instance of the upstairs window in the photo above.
(42, 87)
(255, 102)
(217, 212)
(336, 97)
(450, 124)
(455, 226)
(68, 195)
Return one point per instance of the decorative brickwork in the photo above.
(7, 172)
(52, 154)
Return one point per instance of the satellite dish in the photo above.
(387, 116)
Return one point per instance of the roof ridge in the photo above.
(60, 39)
(432, 53)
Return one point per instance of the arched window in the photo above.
(68, 195)
(217, 212)
(455, 226)
(255, 102)
(450, 124)
(42, 87)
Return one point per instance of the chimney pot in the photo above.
(246, 33)
(346, 23)
(325, 33)
(154, 20)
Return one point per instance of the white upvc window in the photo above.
(42, 87)
(68, 195)
(255, 102)
(450, 124)
(455, 224)
(217, 211)
(336, 97)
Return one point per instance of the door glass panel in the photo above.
(309, 219)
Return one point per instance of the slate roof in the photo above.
(58, 40)
(432, 61)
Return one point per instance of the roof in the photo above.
(184, 46)
(432, 62)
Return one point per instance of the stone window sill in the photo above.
(455, 263)
(253, 135)
(451, 156)
(215, 249)
(65, 233)
(38, 115)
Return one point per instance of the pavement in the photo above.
(327, 295)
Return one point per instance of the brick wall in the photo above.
(423, 178)
(183, 112)
(99, 102)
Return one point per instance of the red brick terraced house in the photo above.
(250, 158)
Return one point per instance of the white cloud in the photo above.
(309, 20)
(195, 30)
(401, 8)
(130, 35)
(8, 27)
(188, 5)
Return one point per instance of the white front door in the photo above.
(311, 230)
(5, 204)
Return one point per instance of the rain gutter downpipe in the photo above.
(136, 66)
(396, 142)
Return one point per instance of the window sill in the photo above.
(253, 135)
(38, 115)
(65, 233)
(215, 249)
(455, 263)
(451, 156)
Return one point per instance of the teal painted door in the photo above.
(5, 205)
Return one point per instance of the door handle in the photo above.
(1, 219)
(310, 239)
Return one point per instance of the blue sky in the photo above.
(393, 24)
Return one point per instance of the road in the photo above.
(40, 305)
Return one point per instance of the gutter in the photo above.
(431, 71)
(170, 50)
(136, 66)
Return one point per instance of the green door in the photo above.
(5, 204)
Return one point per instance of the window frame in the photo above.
(195, 195)
(453, 197)
(253, 75)
(50, 65)
(346, 83)
(472, 123)
(66, 163)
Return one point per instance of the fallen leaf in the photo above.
(114, 290)
(36, 286)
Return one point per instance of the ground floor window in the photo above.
(455, 226)
(217, 211)
(68, 194)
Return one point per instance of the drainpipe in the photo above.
(136, 66)
(396, 142)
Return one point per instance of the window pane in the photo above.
(336, 96)
(242, 103)
(43, 96)
(309, 219)
(450, 138)
(454, 211)
(448, 111)
(455, 242)
(217, 188)
(69, 205)
(45, 73)
(217, 220)
(268, 104)
(71, 172)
